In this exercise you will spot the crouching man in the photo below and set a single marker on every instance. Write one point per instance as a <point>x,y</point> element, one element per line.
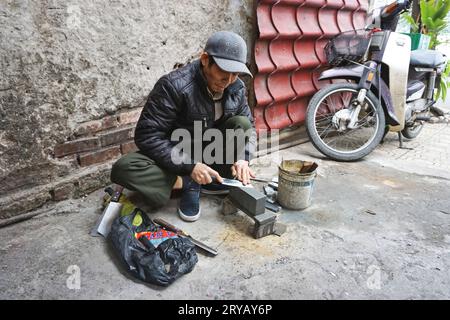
<point>202,96</point>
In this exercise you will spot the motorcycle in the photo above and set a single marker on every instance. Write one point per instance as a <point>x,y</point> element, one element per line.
<point>383,86</point>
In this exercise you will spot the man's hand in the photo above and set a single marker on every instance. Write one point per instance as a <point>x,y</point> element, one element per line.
<point>242,171</point>
<point>202,174</point>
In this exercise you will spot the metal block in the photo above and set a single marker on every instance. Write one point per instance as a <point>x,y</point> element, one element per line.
<point>279,229</point>
<point>228,207</point>
<point>271,195</point>
<point>274,185</point>
<point>263,230</point>
<point>268,191</point>
<point>266,217</point>
<point>272,206</point>
<point>249,200</point>
<point>264,224</point>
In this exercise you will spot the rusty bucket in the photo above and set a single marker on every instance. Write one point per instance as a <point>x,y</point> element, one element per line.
<point>296,183</point>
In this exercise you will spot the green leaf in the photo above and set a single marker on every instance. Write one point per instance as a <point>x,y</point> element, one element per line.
<point>423,9</point>
<point>430,9</point>
<point>430,24</point>
<point>438,22</point>
<point>411,22</point>
<point>441,91</point>
<point>442,10</point>
<point>444,83</point>
<point>446,72</point>
<point>444,91</point>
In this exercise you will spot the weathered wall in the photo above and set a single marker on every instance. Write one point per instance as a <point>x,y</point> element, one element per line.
<point>80,71</point>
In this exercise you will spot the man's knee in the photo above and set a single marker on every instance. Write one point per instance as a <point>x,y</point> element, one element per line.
<point>121,168</point>
<point>117,171</point>
<point>120,165</point>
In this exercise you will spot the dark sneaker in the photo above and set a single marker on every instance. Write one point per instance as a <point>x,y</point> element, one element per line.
<point>189,208</point>
<point>215,189</point>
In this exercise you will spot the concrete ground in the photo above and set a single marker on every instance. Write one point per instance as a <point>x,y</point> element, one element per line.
<point>377,229</point>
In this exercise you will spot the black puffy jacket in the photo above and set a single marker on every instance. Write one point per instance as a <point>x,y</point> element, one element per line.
<point>177,100</point>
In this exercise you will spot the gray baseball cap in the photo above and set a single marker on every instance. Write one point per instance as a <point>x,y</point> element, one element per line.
<point>229,51</point>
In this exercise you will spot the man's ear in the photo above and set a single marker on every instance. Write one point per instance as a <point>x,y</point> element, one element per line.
<point>204,58</point>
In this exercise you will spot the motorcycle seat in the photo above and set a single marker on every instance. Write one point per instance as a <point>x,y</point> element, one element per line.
<point>426,58</point>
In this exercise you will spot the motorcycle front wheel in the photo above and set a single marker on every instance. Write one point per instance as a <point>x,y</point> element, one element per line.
<point>327,129</point>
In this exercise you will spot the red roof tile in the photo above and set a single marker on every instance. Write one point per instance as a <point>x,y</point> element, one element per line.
<point>289,53</point>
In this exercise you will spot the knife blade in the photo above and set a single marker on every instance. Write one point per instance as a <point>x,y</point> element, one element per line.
<point>180,232</point>
<point>110,213</point>
<point>234,182</point>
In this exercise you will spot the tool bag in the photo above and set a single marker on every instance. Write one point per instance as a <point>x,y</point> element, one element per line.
<point>151,253</point>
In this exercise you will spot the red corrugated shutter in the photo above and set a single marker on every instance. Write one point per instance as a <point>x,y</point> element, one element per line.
<point>289,53</point>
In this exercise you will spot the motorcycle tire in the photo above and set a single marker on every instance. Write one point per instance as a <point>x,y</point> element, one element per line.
<point>374,111</point>
<point>412,132</point>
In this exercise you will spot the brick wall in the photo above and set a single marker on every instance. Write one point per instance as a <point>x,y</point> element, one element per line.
<point>67,62</point>
<point>91,150</point>
<point>101,140</point>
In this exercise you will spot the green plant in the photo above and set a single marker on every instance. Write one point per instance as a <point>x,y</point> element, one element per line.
<point>432,21</point>
<point>434,18</point>
<point>413,24</point>
<point>445,82</point>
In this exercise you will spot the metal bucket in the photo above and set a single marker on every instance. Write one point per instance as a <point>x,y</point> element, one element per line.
<point>295,188</point>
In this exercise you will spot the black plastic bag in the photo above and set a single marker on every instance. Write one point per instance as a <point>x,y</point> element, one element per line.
<point>151,253</point>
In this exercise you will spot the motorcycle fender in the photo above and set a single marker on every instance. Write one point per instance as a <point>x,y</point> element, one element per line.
<point>354,72</point>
